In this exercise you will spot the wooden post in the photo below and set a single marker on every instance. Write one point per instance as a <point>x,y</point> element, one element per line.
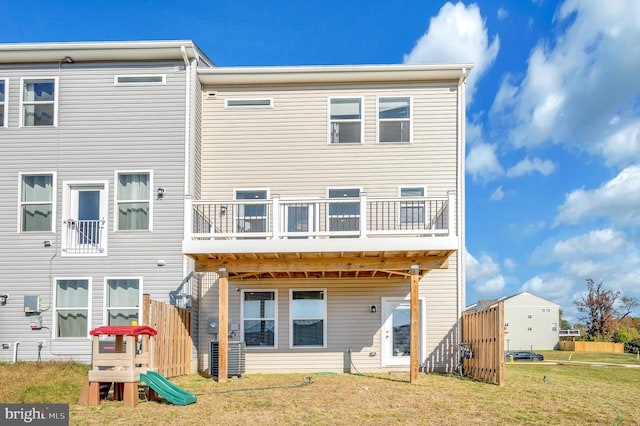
<point>223,324</point>
<point>414,347</point>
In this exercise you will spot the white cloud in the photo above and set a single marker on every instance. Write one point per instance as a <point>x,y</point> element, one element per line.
<point>484,275</point>
<point>498,194</point>
<point>502,13</point>
<point>618,200</point>
<point>577,83</point>
<point>553,288</point>
<point>482,162</point>
<point>526,166</point>
<point>457,35</point>
<point>596,243</point>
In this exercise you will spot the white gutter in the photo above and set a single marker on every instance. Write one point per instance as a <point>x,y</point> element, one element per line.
<point>15,351</point>
<point>460,198</point>
<point>188,131</point>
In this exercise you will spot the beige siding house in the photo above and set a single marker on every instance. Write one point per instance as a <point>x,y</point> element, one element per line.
<point>329,228</point>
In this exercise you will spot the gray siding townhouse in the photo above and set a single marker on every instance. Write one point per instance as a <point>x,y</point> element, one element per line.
<point>97,154</point>
<point>324,191</point>
<point>530,322</point>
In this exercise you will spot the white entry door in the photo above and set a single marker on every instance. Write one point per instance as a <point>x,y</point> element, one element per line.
<point>396,331</point>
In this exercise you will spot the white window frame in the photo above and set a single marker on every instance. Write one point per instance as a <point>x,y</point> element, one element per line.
<point>236,213</point>
<point>23,80</point>
<point>105,308</point>
<point>248,104</point>
<point>67,191</point>
<point>329,216</point>
<point>379,120</point>
<point>56,309</point>
<point>116,202</point>
<point>325,325</point>
<point>53,199</point>
<point>330,121</point>
<point>274,319</point>
<point>5,103</point>
<point>117,80</point>
<point>404,206</point>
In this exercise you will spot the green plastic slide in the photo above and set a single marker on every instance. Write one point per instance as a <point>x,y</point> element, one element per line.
<point>166,389</point>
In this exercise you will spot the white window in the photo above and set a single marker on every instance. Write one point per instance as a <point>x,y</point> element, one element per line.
<point>39,102</point>
<point>71,314</point>
<point>139,79</point>
<point>249,103</point>
<point>554,326</point>
<point>123,300</point>
<point>394,119</point>
<point>3,102</point>
<point>308,318</point>
<point>529,316</point>
<point>344,216</point>
<point>251,216</point>
<point>345,120</point>
<point>412,211</point>
<point>37,202</point>
<point>259,318</point>
<point>133,201</point>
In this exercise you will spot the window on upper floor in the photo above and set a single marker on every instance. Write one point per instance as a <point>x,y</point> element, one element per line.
<point>412,211</point>
<point>249,103</point>
<point>259,318</point>
<point>123,300</point>
<point>394,119</point>
<point>344,216</point>
<point>36,202</point>
<point>251,216</point>
<point>308,318</point>
<point>3,102</point>
<point>139,79</point>
<point>133,200</point>
<point>345,120</point>
<point>39,102</point>
<point>71,314</point>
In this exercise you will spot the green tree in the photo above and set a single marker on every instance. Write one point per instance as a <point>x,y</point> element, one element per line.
<point>597,309</point>
<point>564,324</point>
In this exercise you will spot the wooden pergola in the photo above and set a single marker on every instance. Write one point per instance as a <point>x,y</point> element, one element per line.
<point>272,265</point>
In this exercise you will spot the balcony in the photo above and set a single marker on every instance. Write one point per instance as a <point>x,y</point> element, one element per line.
<point>83,237</point>
<point>326,236</point>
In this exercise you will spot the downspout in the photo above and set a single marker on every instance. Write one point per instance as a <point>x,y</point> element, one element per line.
<point>460,201</point>
<point>187,147</point>
<point>15,351</point>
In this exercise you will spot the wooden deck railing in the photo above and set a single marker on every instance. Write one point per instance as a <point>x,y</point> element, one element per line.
<point>483,332</point>
<point>173,341</point>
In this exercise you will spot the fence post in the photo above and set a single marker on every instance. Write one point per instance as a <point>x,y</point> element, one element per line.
<point>363,215</point>
<point>188,218</point>
<point>275,217</point>
<point>452,214</point>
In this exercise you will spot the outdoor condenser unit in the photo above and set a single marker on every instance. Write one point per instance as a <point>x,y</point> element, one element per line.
<point>235,358</point>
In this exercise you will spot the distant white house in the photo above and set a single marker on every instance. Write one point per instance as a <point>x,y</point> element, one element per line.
<point>530,322</point>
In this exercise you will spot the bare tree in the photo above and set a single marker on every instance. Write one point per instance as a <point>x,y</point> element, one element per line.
<point>627,305</point>
<point>597,307</point>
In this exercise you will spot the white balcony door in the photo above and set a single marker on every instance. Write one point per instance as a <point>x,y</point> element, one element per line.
<point>396,331</point>
<point>84,216</point>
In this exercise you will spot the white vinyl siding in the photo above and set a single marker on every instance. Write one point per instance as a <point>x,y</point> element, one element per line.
<point>260,318</point>
<point>345,120</point>
<point>39,102</point>
<point>133,201</point>
<point>308,318</point>
<point>394,119</point>
<point>37,204</point>
<point>72,310</point>
<point>3,102</point>
<point>123,298</point>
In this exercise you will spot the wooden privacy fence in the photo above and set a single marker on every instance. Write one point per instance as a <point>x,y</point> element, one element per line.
<point>592,346</point>
<point>173,341</point>
<point>483,332</point>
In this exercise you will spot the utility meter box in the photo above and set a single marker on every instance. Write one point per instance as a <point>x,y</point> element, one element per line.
<point>31,305</point>
<point>212,325</point>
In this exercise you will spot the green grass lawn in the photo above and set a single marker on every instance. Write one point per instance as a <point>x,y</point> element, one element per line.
<point>613,358</point>
<point>534,394</point>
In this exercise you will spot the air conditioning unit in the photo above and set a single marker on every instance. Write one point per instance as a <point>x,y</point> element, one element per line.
<point>235,358</point>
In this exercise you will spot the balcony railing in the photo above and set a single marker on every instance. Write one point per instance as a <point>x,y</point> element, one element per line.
<point>83,236</point>
<point>355,217</point>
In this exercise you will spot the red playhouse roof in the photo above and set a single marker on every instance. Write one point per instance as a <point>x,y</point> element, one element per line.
<point>123,330</point>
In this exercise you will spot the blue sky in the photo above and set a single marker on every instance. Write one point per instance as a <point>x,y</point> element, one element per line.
<point>553,111</point>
